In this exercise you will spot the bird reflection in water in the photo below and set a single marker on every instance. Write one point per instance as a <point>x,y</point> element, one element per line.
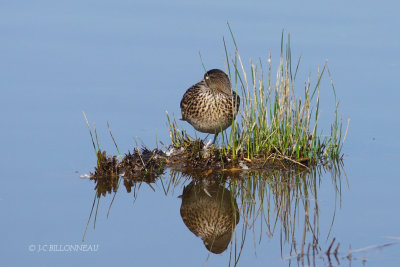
<point>210,212</point>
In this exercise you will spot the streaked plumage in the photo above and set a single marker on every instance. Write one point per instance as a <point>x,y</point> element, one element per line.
<point>211,213</point>
<point>210,105</point>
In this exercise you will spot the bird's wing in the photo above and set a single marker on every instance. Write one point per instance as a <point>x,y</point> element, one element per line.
<point>189,96</point>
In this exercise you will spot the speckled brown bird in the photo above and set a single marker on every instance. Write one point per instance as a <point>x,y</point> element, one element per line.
<point>210,105</point>
<point>211,213</point>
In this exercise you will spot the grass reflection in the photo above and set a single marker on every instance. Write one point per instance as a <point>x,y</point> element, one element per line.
<point>261,204</point>
<point>274,202</point>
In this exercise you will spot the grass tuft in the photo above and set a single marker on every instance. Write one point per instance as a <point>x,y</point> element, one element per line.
<point>273,121</point>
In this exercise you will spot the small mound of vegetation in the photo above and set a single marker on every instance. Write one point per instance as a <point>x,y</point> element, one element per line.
<point>274,123</point>
<point>275,129</point>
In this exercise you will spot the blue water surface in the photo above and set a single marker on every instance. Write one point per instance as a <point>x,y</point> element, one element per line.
<point>126,63</point>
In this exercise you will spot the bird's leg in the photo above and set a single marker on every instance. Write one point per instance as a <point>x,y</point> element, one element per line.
<point>215,138</point>
<point>204,140</point>
<point>211,143</point>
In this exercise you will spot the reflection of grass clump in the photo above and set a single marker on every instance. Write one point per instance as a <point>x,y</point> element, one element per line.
<point>274,202</point>
<point>273,122</point>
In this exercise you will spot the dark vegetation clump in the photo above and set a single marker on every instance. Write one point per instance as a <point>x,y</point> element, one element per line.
<point>196,161</point>
<point>142,166</point>
<point>106,174</point>
<point>194,155</point>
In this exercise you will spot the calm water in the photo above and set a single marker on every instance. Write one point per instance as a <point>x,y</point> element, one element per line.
<point>126,63</point>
